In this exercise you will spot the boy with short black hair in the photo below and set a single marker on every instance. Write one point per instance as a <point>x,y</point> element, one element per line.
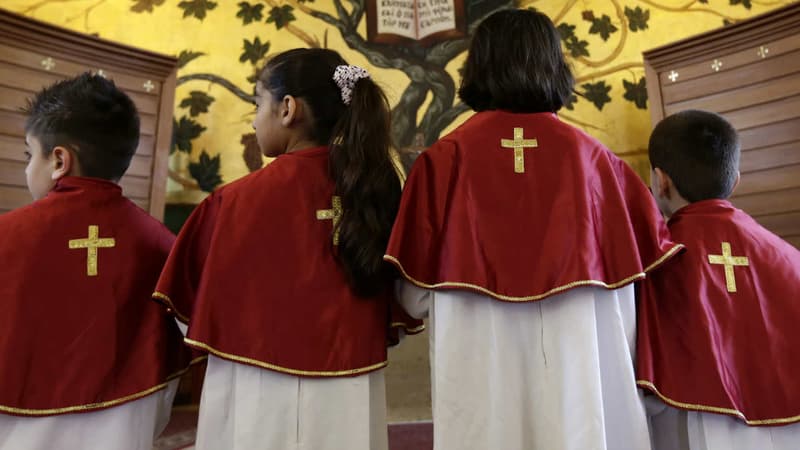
<point>87,360</point>
<point>717,339</point>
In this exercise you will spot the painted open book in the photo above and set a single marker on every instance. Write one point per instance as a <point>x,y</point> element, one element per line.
<point>415,21</point>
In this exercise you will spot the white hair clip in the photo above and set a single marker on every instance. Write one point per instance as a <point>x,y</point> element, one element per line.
<point>346,78</point>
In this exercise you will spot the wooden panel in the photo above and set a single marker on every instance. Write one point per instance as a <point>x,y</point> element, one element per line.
<point>772,134</point>
<point>158,192</point>
<point>716,82</point>
<point>12,148</point>
<point>13,99</point>
<point>17,84</point>
<point>766,113</point>
<point>768,202</point>
<point>145,103</point>
<point>13,173</point>
<point>742,97</point>
<point>26,79</point>
<point>770,180</point>
<point>65,67</point>
<point>786,224</point>
<point>12,124</point>
<point>732,59</point>
<point>794,240</point>
<point>141,166</point>
<point>148,124</point>
<point>771,156</point>
<point>146,145</point>
<point>12,197</point>
<point>135,187</point>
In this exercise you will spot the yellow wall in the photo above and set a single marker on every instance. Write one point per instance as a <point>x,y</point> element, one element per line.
<point>172,26</point>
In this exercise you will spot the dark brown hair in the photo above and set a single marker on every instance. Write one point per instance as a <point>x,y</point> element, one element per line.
<point>699,150</point>
<point>90,116</point>
<point>515,63</point>
<point>358,135</point>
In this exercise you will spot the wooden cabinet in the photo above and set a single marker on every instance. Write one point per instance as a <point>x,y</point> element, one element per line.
<point>34,55</point>
<point>750,73</point>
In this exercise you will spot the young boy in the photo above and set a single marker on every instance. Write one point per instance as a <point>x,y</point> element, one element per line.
<point>522,236</point>
<point>718,335</point>
<point>87,361</point>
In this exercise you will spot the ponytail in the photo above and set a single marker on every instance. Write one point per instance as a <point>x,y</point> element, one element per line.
<point>351,114</point>
<point>366,181</point>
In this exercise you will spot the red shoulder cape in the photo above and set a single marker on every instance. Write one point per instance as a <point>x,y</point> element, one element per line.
<point>704,348</point>
<point>575,216</point>
<point>254,274</point>
<point>72,342</point>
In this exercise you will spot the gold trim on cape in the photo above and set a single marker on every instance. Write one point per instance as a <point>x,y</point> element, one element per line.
<point>394,156</point>
<point>171,306</point>
<point>405,327</point>
<point>100,405</point>
<point>715,409</point>
<point>276,368</point>
<point>507,298</point>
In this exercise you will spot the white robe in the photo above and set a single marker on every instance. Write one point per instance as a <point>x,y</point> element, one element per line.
<point>556,374</point>
<point>675,429</point>
<point>248,408</point>
<point>129,426</point>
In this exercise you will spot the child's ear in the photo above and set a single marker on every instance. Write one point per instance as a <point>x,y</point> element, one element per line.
<point>663,184</point>
<point>289,110</point>
<point>63,161</point>
<point>738,179</point>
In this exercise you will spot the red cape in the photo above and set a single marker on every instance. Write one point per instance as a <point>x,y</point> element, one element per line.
<point>72,342</point>
<point>703,348</point>
<point>254,274</point>
<point>576,216</point>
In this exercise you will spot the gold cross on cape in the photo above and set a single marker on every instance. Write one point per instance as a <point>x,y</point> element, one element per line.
<point>519,144</point>
<point>726,259</point>
<point>334,214</point>
<point>91,244</point>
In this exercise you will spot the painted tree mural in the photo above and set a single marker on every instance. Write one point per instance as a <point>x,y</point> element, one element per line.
<point>594,34</point>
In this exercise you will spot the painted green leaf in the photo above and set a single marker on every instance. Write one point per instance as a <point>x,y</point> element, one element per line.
<point>566,31</point>
<point>183,132</point>
<point>140,6</point>
<point>281,16</point>
<point>597,93</point>
<point>196,8</point>
<point>252,153</point>
<point>571,100</point>
<point>206,171</point>
<point>197,102</point>
<point>253,51</point>
<point>186,56</point>
<point>636,92</point>
<point>250,13</point>
<point>577,48</point>
<point>746,3</point>
<point>637,18</point>
<point>603,27</point>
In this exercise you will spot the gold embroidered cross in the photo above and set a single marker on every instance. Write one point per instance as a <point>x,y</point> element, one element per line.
<point>729,262</point>
<point>91,244</point>
<point>334,214</point>
<point>519,144</point>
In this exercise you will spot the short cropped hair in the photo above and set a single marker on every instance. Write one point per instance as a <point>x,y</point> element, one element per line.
<point>515,63</point>
<point>700,151</point>
<point>89,115</point>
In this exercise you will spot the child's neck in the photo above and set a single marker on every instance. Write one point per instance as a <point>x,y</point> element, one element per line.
<point>300,144</point>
